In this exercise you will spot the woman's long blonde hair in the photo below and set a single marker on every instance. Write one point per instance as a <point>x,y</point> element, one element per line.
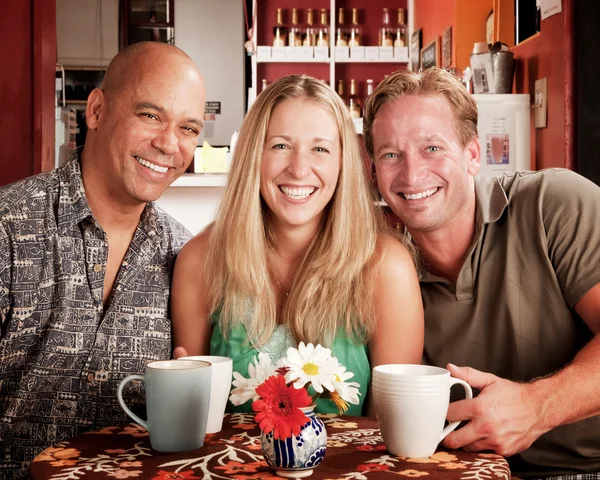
<point>333,285</point>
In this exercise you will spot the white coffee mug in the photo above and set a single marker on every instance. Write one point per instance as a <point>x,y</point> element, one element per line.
<point>222,376</point>
<point>411,404</point>
<point>177,401</point>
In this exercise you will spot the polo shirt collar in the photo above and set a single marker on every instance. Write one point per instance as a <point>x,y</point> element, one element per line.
<point>491,201</point>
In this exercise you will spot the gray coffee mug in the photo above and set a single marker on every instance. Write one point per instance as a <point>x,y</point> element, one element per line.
<point>177,402</point>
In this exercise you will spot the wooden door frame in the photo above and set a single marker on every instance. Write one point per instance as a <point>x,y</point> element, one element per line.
<point>44,74</point>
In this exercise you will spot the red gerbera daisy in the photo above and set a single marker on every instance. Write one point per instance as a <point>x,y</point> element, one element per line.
<point>279,407</point>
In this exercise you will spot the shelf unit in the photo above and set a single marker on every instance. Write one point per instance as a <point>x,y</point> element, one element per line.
<point>319,68</point>
<point>201,180</point>
<point>84,78</point>
<point>146,21</point>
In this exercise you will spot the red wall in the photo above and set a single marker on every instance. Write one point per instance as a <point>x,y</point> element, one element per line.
<point>16,87</point>
<point>549,54</point>
<point>28,43</point>
<point>433,17</point>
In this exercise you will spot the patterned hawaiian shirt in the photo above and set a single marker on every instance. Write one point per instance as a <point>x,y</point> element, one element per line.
<point>62,354</point>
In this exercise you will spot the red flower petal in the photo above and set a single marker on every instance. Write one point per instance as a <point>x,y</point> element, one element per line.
<point>279,407</point>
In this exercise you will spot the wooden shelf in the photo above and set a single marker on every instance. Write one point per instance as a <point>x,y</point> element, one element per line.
<point>312,60</point>
<point>86,69</point>
<point>367,60</point>
<point>315,60</point>
<point>76,102</point>
<point>201,180</point>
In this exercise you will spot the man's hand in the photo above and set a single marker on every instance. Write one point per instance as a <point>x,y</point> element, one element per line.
<point>179,352</point>
<point>504,417</point>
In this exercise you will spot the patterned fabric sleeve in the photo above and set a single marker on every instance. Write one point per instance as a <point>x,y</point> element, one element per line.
<point>5,254</point>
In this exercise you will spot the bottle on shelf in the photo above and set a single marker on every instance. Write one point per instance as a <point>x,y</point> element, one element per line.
<point>355,37</point>
<point>369,87</point>
<point>323,32</point>
<point>279,31</point>
<point>353,101</point>
<point>400,31</point>
<point>308,39</point>
<point>386,35</point>
<point>295,35</point>
<point>264,85</point>
<point>341,35</point>
<point>340,89</point>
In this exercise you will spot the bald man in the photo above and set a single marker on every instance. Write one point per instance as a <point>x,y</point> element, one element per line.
<point>86,258</point>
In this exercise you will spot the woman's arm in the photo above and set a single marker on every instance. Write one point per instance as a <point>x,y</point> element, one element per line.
<point>398,337</point>
<point>189,300</point>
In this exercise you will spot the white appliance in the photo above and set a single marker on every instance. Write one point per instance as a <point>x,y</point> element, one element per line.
<point>504,133</point>
<point>65,120</point>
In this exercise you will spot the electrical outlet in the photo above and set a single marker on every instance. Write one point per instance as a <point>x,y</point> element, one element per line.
<point>540,107</point>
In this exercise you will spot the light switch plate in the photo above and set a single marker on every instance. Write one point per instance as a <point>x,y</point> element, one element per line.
<point>540,107</point>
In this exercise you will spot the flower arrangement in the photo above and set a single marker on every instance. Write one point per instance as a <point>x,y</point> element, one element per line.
<point>279,392</point>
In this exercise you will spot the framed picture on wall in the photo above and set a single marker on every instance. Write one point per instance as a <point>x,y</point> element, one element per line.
<point>430,54</point>
<point>415,50</point>
<point>447,48</point>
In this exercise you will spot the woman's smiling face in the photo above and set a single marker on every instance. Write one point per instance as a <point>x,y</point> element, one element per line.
<point>300,163</point>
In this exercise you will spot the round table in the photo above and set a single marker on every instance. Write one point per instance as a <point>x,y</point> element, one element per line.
<point>355,450</point>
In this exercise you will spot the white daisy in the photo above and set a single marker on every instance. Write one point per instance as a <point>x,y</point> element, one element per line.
<point>347,390</point>
<point>258,372</point>
<point>310,364</point>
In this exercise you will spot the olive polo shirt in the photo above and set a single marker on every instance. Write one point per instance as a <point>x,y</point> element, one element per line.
<point>536,252</point>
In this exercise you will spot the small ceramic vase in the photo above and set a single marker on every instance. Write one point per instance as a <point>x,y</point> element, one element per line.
<point>296,457</point>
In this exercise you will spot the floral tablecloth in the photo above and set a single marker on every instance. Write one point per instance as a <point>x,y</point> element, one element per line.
<point>355,450</point>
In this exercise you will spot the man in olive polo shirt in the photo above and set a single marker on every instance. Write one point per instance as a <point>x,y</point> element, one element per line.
<point>511,286</point>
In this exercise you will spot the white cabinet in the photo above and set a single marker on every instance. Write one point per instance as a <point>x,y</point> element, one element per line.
<point>212,34</point>
<point>87,32</point>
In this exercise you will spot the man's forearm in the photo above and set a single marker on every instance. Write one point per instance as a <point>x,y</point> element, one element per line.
<point>572,393</point>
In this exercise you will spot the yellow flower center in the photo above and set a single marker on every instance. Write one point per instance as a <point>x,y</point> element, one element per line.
<point>310,369</point>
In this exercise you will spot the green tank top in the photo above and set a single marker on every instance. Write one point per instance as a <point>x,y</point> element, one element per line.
<point>237,347</point>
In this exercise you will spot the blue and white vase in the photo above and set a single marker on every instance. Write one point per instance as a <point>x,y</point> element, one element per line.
<point>296,457</point>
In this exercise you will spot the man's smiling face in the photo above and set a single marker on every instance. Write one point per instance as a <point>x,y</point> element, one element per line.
<point>424,173</point>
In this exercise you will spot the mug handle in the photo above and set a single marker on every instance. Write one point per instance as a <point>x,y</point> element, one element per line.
<point>468,395</point>
<point>125,381</point>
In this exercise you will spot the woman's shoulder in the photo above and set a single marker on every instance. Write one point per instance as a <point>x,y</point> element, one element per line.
<point>193,253</point>
<point>392,248</point>
<point>395,259</point>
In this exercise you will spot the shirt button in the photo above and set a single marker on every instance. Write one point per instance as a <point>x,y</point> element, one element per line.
<point>90,377</point>
<point>97,268</point>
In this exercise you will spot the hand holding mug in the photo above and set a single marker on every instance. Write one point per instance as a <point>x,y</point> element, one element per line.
<point>505,416</point>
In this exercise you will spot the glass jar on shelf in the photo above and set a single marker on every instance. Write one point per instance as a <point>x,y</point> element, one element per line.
<point>279,31</point>
<point>309,37</point>
<point>354,104</point>
<point>386,35</point>
<point>323,31</point>
<point>355,37</point>
<point>295,35</point>
<point>341,34</point>
<point>400,31</point>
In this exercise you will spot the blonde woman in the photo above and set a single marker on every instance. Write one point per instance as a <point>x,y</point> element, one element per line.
<point>298,250</point>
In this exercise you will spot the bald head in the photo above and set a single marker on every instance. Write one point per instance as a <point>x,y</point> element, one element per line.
<point>137,60</point>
